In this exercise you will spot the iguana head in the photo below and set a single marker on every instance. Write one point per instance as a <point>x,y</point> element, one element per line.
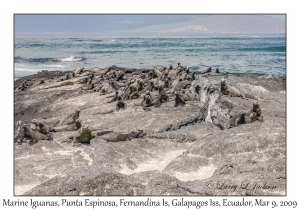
<point>26,128</point>
<point>255,106</point>
<point>160,88</point>
<point>85,129</point>
<point>223,84</point>
<point>135,134</point>
<point>242,112</point>
<point>187,70</point>
<point>78,123</point>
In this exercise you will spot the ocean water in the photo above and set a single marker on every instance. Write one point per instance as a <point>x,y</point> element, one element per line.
<point>232,53</point>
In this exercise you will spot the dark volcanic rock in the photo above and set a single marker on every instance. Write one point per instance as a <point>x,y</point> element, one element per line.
<point>183,150</point>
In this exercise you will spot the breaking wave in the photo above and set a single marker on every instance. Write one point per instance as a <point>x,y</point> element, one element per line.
<point>69,59</point>
<point>19,59</point>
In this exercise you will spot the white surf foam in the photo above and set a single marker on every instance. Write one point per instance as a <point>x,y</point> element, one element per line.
<point>68,59</point>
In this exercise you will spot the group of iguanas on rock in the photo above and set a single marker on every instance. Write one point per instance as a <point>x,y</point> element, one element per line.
<point>242,117</point>
<point>127,84</point>
<point>24,86</point>
<point>39,130</point>
<point>139,84</point>
<point>85,135</point>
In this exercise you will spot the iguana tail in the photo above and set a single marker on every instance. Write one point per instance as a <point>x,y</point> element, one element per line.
<point>101,133</point>
<point>107,112</point>
<point>253,97</point>
<point>55,123</point>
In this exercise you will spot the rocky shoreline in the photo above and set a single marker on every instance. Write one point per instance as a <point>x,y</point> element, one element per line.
<point>167,131</point>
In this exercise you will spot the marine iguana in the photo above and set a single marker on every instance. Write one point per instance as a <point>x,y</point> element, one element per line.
<point>254,114</point>
<point>134,95</point>
<point>115,97</point>
<point>147,101</point>
<point>150,87</point>
<point>71,118</point>
<point>120,104</point>
<point>236,120</point>
<point>89,87</point>
<point>71,127</point>
<point>34,135</point>
<point>206,71</point>
<point>116,137</point>
<point>167,82</point>
<point>78,70</point>
<point>156,72</point>
<point>104,71</point>
<point>115,84</point>
<point>44,127</point>
<point>179,84</point>
<point>228,89</point>
<point>180,98</point>
<point>84,135</point>
<point>162,96</point>
<point>98,87</point>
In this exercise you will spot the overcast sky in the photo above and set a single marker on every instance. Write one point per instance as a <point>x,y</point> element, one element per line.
<point>41,23</point>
